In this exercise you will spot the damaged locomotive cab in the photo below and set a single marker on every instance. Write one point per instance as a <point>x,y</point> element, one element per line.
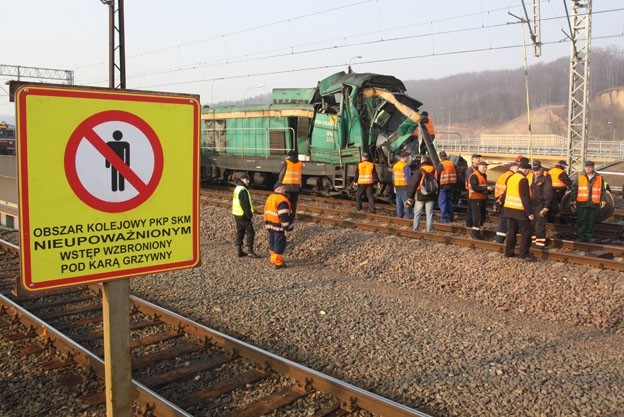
<point>329,127</point>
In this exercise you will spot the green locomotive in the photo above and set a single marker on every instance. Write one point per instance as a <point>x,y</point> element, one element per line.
<point>329,127</point>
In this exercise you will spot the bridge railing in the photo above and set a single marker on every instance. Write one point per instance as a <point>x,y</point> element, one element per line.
<point>546,145</point>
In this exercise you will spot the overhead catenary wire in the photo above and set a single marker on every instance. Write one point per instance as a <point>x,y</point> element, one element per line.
<point>290,52</point>
<point>404,58</point>
<point>377,31</point>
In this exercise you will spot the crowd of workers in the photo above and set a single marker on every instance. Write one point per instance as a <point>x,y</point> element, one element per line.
<point>526,197</point>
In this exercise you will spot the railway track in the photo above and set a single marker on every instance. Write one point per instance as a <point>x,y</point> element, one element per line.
<point>607,232</point>
<point>180,367</point>
<point>561,250</point>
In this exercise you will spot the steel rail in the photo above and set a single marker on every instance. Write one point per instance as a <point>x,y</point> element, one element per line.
<point>475,244</point>
<point>346,217</point>
<point>448,228</point>
<point>350,396</point>
<point>604,229</point>
<point>142,395</point>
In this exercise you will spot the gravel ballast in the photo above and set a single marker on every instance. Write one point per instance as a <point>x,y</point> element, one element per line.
<point>449,330</point>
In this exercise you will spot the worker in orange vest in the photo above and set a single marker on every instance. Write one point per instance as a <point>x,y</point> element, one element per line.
<point>426,123</point>
<point>401,175</point>
<point>290,176</point>
<point>588,190</point>
<point>447,178</point>
<point>474,165</point>
<point>365,180</point>
<point>478,190</point>
<point>278,221</point>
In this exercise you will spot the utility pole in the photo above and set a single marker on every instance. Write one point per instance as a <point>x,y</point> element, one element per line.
<point>536,32</point>
<point>117,49</point>
<point>116,294</point>
<point>580,35</point>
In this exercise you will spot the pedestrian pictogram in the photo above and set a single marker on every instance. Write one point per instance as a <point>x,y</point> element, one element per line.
<point>122,150</point>
<point>108,184</point>
<point>98,164</point>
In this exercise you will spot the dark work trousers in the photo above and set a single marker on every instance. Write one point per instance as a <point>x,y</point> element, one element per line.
<point>501,229</point>
<point>277,242</point>
<point>558,194</point>
<point>539,229</point>
<point>370,194</point>
<point>525,242</point>
<point>293,197</point>
<point>244,227</point>
<point>585,220</point>
<point>478,216</point>
<point>469,214</point>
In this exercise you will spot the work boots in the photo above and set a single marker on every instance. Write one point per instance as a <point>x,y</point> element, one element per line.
<point>251,253</point>
<point>240,252</point>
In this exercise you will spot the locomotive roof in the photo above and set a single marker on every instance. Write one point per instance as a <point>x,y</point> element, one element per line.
<point>257,107</point>
<point>334,83</point>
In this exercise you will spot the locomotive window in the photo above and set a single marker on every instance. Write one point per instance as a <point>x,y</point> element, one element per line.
<point>278,143</point>
<point>303,127</point>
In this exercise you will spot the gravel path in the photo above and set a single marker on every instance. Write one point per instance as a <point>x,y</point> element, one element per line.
<point>448,330</point>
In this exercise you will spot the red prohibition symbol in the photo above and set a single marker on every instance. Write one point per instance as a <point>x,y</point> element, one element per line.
<point>98,164</point>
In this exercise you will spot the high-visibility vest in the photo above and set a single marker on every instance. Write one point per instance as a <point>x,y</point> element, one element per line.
<point>474,195</point>
<point>583,189</point>
<point>449,173</point>
<point>501,184</point>
<point>365,172</point>
<point>554,176</point>
<point>512,197</point>
<point>237,210</point>
<point>398,170</point>
<point>272,212</point>
<point>429,126</point>
<point>472,169</point>
<point>293,173</point>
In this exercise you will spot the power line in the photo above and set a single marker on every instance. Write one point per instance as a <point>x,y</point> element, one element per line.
<point>404,58</point>
<point>246,58</point>
<point>391,29</point>
<point>238,32</point>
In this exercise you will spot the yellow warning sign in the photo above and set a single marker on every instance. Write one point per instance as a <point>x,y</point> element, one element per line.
<point>108,184</point>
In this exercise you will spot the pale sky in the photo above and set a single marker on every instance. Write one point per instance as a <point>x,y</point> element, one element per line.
<point>226,50</point>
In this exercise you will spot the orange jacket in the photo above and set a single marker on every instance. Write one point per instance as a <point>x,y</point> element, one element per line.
<point>449,173</point>
<point>398,170</point>
<point>293,173</point>
<point>475,195</point>
<point>365,173</point>
<point>277,213</point>
<point>429,126</point>
<point>554,176</point>
<point>584,190</point>
<point>501,184</point>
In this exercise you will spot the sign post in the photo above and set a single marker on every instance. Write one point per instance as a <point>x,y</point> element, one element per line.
<point>108,189</point>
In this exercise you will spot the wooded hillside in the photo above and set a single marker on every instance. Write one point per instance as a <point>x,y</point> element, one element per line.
<point>490,98</point>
